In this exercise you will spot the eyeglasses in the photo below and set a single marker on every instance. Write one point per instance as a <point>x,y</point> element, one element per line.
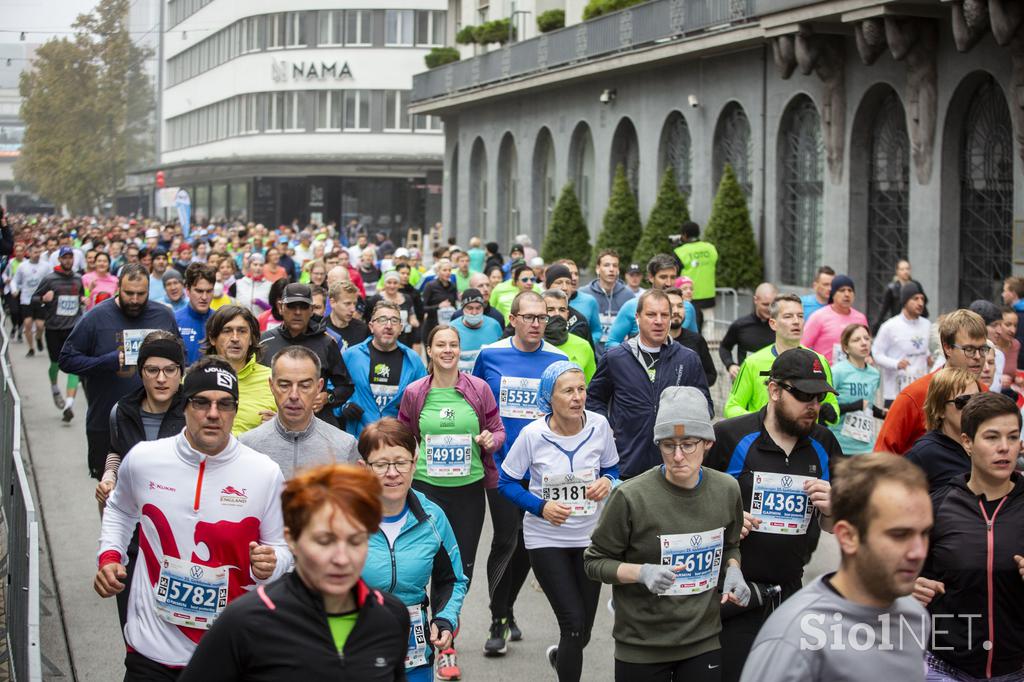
<point>973,351</point>
<point>668,447</point>
<point>152,371</point>
<point>387,320</point>
<point>960,402</point>
<point>223,405</point>
<point>803,396</point>
<point>402,466</point>
<point>534,319</point>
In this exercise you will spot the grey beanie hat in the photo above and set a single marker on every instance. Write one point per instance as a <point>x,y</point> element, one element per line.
<point>682,413</point>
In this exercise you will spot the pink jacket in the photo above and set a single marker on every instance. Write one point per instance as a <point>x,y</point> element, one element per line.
<point>478,394</point>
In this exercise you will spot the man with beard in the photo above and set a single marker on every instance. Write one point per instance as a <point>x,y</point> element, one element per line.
<point>782,459</point>
<point>882,520</point>
<point>102,349</point>
<point>691,339</point>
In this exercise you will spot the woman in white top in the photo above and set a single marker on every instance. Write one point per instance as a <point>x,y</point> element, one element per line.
<point>570,458</point>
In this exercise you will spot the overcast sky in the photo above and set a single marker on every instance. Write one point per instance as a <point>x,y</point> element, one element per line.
<point>40,19</point>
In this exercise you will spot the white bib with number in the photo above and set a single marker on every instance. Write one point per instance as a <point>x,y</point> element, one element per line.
<point>467,359</point>
<point>67,306</point>
<point>448,455</point>
<point>780,502</point>
<point>133,338</point>
<point>904,378</point>
<point>570,490</point>
<point>607,320</point>
<point>859,426</point>
<point>416,654</point>
<point>383,394</point>
<point>444,316</point>
<point>698,556</point>
<point>190,595</point>
<point>518,398</point>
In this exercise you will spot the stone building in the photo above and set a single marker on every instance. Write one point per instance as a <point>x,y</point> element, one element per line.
<point>862,131</point>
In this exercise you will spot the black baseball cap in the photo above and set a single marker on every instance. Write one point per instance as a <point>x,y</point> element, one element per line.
<point>802,369</point>
<point>472,296</point>
<point>634,267</point>
<point>297,293</point>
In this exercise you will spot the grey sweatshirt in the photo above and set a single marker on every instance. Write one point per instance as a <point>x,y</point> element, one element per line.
<point>809,638</point>
<point>293,451</point>
<point>636,516</point>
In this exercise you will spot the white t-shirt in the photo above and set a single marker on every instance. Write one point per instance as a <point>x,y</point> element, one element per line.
<point>539,451</point>
<point>898,338</point>
<point>392,526</point>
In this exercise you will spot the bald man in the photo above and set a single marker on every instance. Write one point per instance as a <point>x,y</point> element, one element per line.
<point>750,333</point>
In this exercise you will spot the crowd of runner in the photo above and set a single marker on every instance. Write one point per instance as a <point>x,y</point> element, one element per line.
<point>298,433</point>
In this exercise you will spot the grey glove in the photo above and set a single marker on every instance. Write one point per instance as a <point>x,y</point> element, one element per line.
<point>657,578</point>
<point>735,584</point>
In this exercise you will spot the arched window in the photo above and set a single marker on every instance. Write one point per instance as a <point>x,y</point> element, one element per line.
<point>675,151</point>
<point>478,187</point>
<point>732,146</point>
<point>888,197</point>
<point>626,152</point>
<point>581,160</point>
<point>508,190</point>
<point>986,194</point>
<point>545,193</point>
<point>802,169</point>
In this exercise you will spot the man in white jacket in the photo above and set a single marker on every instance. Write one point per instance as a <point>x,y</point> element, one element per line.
<point>209,514</point>
<point>901,347</point>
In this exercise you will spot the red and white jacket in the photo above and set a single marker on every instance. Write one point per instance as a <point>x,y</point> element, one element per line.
<point>203,509</point>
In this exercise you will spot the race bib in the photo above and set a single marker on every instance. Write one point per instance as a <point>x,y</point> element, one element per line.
<point>569,490</point>
<point>905,378</point>
<point>444,315</point>
<point>416,654</point>
<point>859,426</point>
<point>518,398</point>
<point>780,502</point>
<point>67,306</point>
<point>383,394</point>
<point>699,558</point>
<point>607,320</point>
<point>190,595</point>
<point>131,340</point>
<point>448,455</point>
<point>406,327</point>
<point>467,359</point>
<point>838,354</point>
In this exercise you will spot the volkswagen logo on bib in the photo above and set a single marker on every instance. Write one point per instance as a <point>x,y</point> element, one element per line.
<point>787,481</point>
<point>696,541</point>
<point>196,572</point>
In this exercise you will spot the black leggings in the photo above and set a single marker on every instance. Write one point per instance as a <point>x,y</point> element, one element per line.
<point>465,507</point>
<point>138,668</point>
<point>573,597</point>
<point>507,564</point>
<point>703,668</point>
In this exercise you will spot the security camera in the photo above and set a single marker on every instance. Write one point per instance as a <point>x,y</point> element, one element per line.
<point>607,96</point>
<point>692,99</point>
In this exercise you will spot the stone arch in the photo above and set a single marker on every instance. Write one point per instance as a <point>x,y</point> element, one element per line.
<point>625,151</point>
<point>508,189</point>
<point>545,189</point>
<point>801,175</point>
<point>478,189</point>
<point>675,151</point>
<point>733,144</point>
<point>581,166</point>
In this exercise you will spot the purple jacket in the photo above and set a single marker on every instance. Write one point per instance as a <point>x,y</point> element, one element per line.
<point>478,394</point>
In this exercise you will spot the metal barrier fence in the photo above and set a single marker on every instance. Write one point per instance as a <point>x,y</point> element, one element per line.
<point>21,608</point>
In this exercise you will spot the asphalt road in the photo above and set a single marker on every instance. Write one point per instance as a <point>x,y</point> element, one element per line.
<point>82,635</point>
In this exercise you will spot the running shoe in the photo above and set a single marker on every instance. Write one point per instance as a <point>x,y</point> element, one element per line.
<point>552,655</point>
<point>495,644</point>
<point>58,400</point>
<point>515,634</point>
<point>448,666</point>
<point>68,415</point>
<point>31,353</point>
<point>39,344</point>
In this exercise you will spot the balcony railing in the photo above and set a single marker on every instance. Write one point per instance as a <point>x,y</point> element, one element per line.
<point>627,29</point>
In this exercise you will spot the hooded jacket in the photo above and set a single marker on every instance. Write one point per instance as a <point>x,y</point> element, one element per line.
<point>357,358</point>
<point>66,306</point>
<point>608,305</point>
<point>126,429</point>
<point>942,458</point>
<point>337,381</point>
<point>254,396</point>
<point>622,391</point>
<point>971,553</point>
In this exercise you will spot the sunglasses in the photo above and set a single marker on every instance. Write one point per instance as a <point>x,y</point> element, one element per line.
<point>803,396</point>
<point>960,402</point>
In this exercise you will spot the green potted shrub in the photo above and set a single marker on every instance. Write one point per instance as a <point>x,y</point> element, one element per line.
<point>621,219</point>
<point>567,235</point>
<point>668,214</point>
<point>551,20</point>
<point>730,230</point>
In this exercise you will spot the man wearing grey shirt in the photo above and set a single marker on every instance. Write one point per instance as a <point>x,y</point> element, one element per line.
<point>858,623</point>
<point>296,439</point>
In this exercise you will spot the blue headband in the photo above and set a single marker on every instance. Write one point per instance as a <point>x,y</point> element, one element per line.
<point>547,382</point>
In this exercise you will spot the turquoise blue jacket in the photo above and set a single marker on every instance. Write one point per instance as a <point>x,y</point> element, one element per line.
<point>357,360</point>
<point>424,552</point>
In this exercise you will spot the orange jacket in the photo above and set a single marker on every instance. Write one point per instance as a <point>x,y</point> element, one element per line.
<point>905,422</point>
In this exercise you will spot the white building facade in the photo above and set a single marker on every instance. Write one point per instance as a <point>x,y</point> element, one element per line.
<point>296,112</point>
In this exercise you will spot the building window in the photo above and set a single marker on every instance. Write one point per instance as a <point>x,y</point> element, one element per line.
<point>508,194</point>
<point>293,119</point>
<point>358,23</point>
<point>581,155</point>
<point>252,34</point>
<point>295,33</point>
<point>331,25</point>
<point>675,150</point>
<point>430,27</point>
<point>478,187</point>
<point>275,122</point>
<point>800,222</point>
<point>427,123</point>
<point>399,23</point>
<point>357,110</point>
<point>328,110</point>
<point>276,31</point>
<point>626,153</point>
<point>396,110</point>
<point>732,145</point>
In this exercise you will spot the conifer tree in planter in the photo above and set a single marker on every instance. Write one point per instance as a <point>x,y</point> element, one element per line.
<point>567,235</point>
<point>730,230</point>
<point>621,220</point>
<point>668,214</point>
